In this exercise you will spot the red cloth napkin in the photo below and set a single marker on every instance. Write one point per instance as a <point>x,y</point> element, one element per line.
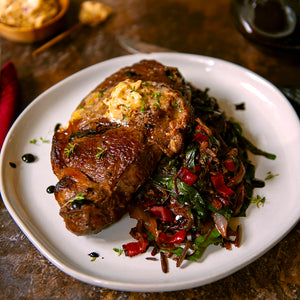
<point>9,93</point>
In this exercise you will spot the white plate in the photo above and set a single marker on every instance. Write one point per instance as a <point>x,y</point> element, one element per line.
<point>268,120</point>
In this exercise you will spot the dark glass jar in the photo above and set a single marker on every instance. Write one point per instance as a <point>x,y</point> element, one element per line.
<point>270,22</point>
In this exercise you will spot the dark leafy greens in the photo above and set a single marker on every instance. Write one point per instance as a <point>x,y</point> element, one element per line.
<point>189,202</point>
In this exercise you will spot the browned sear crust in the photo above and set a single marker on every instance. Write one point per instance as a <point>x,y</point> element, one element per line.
<point>113,143</point>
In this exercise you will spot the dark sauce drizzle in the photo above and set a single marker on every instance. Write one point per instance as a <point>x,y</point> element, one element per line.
<point>57,127</point>
<point>240,106</point>
<point>13,165</point>
<point>28,158</point>
<point>50,189</point>
<point>93,254</point>
<point>257,183</point>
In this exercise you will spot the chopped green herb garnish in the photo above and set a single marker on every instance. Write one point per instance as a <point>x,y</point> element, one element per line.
<point>133,90</point>
<point>100,153</point>
<point>93,255</point>
<point>70,150</point>
<point>174,104</point>
<point>151,71</point>
<point>260,201</point>
<point>157,96</point>
<point>270,175</point>
<point>172,77</point>
<point>143,105</point>
<point>33,141</point>
<point>80,107</point>
<point>119,251</point>
<point>101,93</point>
<point>125,106</point>
<point>78,197</point>
<point>156,105</point>
<point>43,140</point>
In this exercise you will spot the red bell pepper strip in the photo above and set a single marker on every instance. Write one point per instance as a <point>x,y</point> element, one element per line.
<point>135,248</point>
<point>9,93</point>
<point>202,127</point>
<point>219,185</point>
<point>217,204</point>
<point>187,176</point>
<point>200,137</point>
<point>229,164</point>
<point>178,237</point>
<point>198,128</point>
<point>163,212</point>
<point>197,169</point>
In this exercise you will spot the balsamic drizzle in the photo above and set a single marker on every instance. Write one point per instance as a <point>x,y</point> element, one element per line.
<point>12,164</point>
<point>50,189</point>
<point>28,158</point>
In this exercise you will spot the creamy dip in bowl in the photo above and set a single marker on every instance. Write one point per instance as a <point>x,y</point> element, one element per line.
<point>28,13</point>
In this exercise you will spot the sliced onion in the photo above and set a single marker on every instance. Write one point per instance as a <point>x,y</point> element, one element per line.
<point>149,222</point>
<point>221,223</point>
<point>237,179</point>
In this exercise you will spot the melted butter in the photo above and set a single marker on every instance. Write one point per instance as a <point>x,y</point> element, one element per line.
<point>127,99</point>
<point>92,103</point>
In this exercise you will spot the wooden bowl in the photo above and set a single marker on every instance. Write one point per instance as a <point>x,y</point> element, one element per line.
<point>30,35</point>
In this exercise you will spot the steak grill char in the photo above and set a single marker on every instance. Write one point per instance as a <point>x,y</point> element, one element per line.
<point>114,141</point>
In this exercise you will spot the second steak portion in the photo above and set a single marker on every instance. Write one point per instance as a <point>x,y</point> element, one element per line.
<point>114,140</point>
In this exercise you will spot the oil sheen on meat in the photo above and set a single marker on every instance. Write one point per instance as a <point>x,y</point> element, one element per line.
<point>114,141</point>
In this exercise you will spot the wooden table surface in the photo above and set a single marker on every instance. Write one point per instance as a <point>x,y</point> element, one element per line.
<point>191,26</point>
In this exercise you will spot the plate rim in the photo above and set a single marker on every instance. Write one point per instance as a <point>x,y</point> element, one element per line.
<point>125,286</point>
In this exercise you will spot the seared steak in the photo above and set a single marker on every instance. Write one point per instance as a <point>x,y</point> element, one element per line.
<point>114,140</point>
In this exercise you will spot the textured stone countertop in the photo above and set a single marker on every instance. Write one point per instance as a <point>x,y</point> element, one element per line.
<point>190,26</point>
